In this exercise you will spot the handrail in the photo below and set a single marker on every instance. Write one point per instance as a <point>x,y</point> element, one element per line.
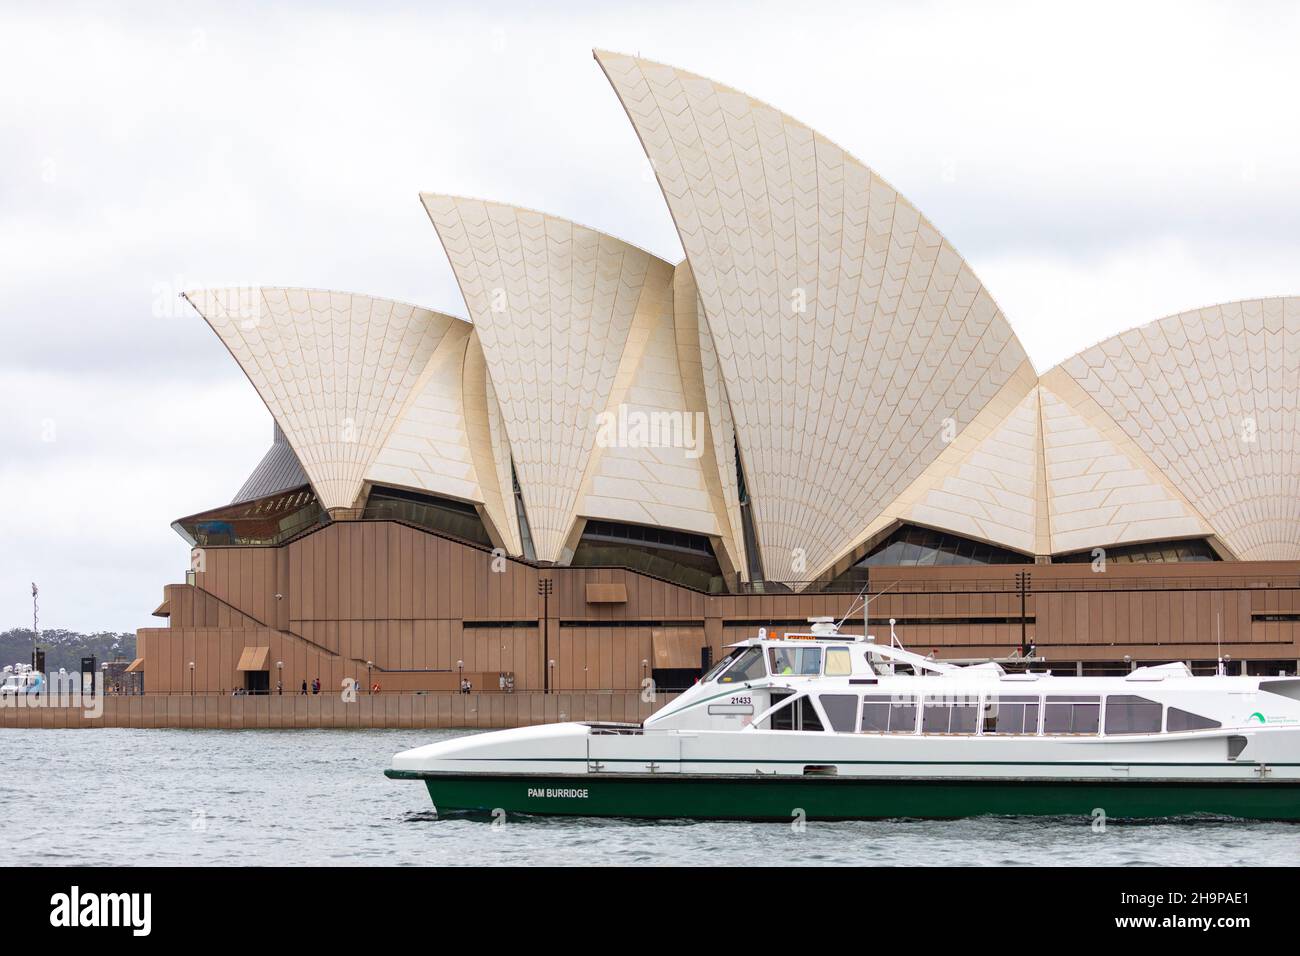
<point>292,633</point>
<point>270,627</point>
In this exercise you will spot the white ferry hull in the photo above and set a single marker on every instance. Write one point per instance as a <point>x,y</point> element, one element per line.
<point>577,769</point>
<point>823,726</point>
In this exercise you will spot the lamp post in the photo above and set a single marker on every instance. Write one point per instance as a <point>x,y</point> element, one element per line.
<point>370,685</point>
<point>36,628</point>
<point>1022,583</point>
<point>460,670</point>
<point>644,666</point>
<point>544,586</point>
<point>191,678</point>
<point>551,675</point>
<point>279,677</point>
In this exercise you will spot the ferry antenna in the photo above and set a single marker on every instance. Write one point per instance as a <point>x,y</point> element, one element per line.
<point>866,604</point>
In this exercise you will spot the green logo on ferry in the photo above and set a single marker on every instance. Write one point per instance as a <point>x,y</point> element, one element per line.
<point>1257,716</point>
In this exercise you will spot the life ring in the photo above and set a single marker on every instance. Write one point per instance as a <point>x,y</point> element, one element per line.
<point>374,688</point>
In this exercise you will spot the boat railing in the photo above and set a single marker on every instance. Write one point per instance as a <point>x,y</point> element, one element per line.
<point>616,730</point>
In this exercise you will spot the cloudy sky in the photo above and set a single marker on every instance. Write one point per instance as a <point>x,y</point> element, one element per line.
<point>1099,165</point>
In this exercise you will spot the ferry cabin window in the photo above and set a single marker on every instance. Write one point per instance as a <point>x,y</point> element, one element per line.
<point>808,719</point>
<point>1126,714</point>
<point>841,710</point>
<point>949,715</point>
<point>1179,719</point>
<point>783,718</point>
<point>1011,715</point>
<point>889,715</point>
<point>722,665</point>
<point>798,714</point>
<point>1071,715</point>
<point>796,661</point>
<point>838,662</point>
<point>748,667</point>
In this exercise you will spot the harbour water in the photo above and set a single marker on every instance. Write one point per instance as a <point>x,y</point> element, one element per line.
<point>301,797</point>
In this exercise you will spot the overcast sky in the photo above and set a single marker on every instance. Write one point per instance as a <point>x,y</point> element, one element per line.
<point>1098,165</point>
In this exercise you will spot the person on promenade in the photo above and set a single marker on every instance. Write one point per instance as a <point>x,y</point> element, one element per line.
<point>304,687</point>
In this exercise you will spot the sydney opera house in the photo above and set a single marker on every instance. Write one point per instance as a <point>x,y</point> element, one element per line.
<point>614,465</point>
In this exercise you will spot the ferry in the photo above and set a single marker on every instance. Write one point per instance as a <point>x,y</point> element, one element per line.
<point>829,726</point>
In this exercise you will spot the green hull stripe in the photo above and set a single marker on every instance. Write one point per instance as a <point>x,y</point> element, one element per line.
<point>880,763</point>
<point>850,798</point>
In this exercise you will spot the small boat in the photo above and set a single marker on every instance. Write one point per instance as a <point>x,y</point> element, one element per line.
<point>829,726</point>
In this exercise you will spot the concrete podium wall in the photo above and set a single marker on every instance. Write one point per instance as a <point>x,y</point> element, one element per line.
<point>215,711</point>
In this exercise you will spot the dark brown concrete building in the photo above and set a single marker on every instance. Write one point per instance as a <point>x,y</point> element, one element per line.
<point>388,603</point>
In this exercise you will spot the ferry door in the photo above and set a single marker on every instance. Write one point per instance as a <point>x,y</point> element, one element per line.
<point>652,751</point>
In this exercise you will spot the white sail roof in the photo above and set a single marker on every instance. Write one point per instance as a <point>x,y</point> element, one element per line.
<point>849,333</point>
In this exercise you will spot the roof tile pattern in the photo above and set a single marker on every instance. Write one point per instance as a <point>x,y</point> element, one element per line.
<point>821,329</point>
<point>335,369</point>
<point>429,446</point>
<point>1210,396</point>
<point>1102,489</point>
<point>552,303</point>
<point>850,335</point>
<point>704,389</point>
<point>489,448</point>
<point>648,464</point>
<point>991,494</point>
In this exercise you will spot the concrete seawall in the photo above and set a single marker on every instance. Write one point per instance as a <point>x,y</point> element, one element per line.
<point>434,710</point>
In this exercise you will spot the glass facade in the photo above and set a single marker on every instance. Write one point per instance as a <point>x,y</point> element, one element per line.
<point>454,518</point>
<point>521,515</point>
<point>912,545</point>
<point>264,521</point>
<point>1155,552</point>
<point>754,560</point>
<point>676,556</point>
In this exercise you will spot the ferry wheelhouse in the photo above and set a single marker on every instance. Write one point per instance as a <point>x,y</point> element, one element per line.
<point>835,726</point>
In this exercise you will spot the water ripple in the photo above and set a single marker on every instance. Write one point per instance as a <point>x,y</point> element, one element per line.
<point>173,797</point>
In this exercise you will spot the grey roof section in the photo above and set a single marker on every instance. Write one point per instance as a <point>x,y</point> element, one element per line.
<point>279,470</point>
